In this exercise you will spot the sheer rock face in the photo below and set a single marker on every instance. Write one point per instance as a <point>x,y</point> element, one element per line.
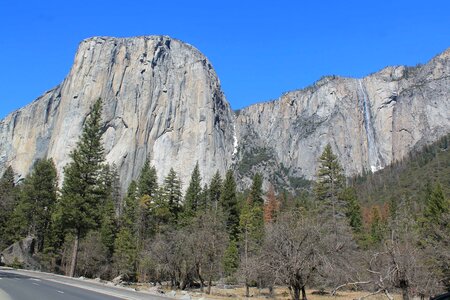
<point>162,99</point>
<point>369,122</point>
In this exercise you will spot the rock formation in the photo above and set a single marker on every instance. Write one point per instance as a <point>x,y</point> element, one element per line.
<point>369,122</point>
<point>162,99</point>
<point>21,253</point>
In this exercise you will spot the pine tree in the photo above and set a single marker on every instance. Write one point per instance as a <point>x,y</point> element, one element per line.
<point>79,204</point>
<point>148,180</point>
<point>204,199</point>
<point>376,226</point>
<point>436,205</point>
<point>215,190</point>
<point>193,193</point>
<point>229,204</point>
<point>329,185</point>
<point>128,218</point>
<point>230,259</point>
<point>125,254</point>
<point>108,226</point>
<point>32,216</point>
<point>8,201</point>
<point>171,193</point>
<point>353,209</point>
<point>256,192</point>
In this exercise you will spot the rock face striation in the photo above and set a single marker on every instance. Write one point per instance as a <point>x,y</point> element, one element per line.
<point>369,122</point>
<point>162,100</point>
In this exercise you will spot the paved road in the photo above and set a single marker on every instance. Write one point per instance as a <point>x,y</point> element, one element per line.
<point>23,285</point>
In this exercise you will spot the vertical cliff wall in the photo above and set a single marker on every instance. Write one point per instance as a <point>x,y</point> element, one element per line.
<point>369,122</point>
<point>162,99</point>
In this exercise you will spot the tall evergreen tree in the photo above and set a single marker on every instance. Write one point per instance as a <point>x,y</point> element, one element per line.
<point>79,204</point>
<point>171,194</point>
<point>130,208</point>
<point>215,190</point>
<point>256,191</point>
<point>436,204</point>
<point>37,201</point>
<point>193,192</point>
<point>353,209</point>
<point>329,184</point>
<point>148,180</point>
<point>229,204</point>
<point>8,201</point>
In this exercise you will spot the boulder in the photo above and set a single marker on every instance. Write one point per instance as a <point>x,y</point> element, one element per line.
<point>21,254</point>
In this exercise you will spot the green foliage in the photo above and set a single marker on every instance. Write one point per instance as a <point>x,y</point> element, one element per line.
<point>408,178</point>
<point>171,194</point>
<point>193,193</point>
<point>436,205</point>
<point>377,227</point>
<point>230,259</point>
<point>81,194</point>
<point>215,190</point>
<point>148,180</point>
<point>256,192</point>
<point>130,210</point>
<point>251,225</point>
<point>330,182</point>
<point>253,158</point>
<point>229,204</point>
<point>353,209</point>
<point>37,199</point>
<point>108,226</point>
<point>125,254</point>
<point>8,201</point>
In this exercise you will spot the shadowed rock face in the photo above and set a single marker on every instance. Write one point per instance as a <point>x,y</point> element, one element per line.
<point>162,99</point>
<point>369,122</point>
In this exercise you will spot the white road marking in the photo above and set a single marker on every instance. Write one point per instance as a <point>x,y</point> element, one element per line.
<point>35,283</point>
<point>34,279</point>
<point>4,295</point>
<point>60,292</point>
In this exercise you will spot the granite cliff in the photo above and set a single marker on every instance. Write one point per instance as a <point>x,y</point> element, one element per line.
<point>369,122</point>
<point>162,99</point>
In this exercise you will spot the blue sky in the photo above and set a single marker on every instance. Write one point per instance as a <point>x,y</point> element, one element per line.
<point>259,49</point>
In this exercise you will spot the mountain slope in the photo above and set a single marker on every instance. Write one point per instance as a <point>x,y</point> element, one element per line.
<point>369,122</point>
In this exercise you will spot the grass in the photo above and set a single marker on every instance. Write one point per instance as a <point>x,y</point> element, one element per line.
<point>281,293</point>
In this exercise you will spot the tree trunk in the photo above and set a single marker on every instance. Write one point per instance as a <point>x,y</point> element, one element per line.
<point>304,293</point>
<point>405,293</point>
<point>296,293</point>
<point>271,291</point>
<point>247,289</point>
<point>208,292</point>
<point>73,263</point>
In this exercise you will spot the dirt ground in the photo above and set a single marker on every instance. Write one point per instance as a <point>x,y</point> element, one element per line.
<point>282,294</point>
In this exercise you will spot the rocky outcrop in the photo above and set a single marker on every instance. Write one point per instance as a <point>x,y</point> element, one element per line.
<point>162,99</point>
<point>21,254</point>
<point>369,122</point>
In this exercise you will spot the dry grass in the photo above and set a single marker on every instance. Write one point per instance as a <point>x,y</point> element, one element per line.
<point>282,293</point>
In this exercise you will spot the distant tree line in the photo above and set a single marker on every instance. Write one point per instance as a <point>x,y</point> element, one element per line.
<point>324,239</point>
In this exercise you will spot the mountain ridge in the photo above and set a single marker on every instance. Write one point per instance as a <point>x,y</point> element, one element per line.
<point>180,115</point>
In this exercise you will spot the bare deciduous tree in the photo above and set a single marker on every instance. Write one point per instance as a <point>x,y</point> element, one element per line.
<point>299,249</point>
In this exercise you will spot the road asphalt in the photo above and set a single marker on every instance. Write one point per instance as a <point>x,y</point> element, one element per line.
<point>26,285</point>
